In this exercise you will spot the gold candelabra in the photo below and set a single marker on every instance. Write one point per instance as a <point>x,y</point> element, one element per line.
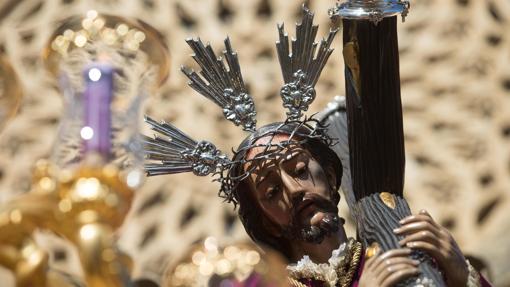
<point>86,198</point>
<point>85,207</point>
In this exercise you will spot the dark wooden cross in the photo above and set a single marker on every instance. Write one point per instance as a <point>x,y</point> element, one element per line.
<point>375,157</point>
<point>376,136</point>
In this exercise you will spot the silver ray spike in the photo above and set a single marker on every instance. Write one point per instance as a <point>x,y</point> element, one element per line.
<point>302,66</point>
<point>225,87</point>
<point>177,152</point>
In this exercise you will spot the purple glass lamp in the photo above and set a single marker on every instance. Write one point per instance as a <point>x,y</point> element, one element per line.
<point>105,65</point>
<point>97,97</point>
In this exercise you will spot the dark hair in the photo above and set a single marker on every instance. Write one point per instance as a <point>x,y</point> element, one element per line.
<point>251,215</point>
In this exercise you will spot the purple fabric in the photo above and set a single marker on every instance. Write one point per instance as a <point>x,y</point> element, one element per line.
<point>484,282</point>
<point>355,280</point>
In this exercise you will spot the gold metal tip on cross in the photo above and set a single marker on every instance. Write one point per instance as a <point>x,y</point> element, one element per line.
<point>388,199</point>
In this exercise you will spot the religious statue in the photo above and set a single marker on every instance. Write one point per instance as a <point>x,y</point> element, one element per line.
<point>284,177</point>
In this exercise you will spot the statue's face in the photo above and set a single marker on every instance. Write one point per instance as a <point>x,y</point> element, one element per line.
<point>294,192</point>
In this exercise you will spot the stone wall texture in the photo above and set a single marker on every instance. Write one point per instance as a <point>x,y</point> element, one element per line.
<point>455,69</point>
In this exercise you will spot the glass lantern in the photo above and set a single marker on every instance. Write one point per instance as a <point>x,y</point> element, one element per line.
<point>106,65</point>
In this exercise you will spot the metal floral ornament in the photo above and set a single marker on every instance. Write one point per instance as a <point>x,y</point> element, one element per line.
<point>205,158</point>
<point>225,87</point>
<point>240,109</point>
<point>301,66</point>
<point>179,153</point>
<point>297,96</point>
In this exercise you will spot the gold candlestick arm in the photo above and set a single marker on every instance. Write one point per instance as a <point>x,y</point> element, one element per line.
<point>84,208</point>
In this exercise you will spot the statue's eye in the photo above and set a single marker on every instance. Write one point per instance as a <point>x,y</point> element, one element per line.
<point>301,169</point>
<point>272,192</point>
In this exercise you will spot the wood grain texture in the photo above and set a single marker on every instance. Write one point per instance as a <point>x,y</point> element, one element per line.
<point>375,224</point>
<point>374,116</point>
<point>376,136</point>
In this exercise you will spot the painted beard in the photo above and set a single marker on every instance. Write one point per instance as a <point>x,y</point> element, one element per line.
<point>329,224</point>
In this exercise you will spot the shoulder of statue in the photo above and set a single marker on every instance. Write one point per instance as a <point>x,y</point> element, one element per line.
<point>337,105</point>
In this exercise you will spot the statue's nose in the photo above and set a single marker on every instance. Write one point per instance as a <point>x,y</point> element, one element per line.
<point>294,190</point>
<point>297,197</point>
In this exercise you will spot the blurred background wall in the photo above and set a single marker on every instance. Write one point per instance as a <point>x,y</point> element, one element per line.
<point>455,70</point>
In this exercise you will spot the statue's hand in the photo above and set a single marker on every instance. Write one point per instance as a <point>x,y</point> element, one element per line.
<point>388,269</point>
<point>421,232</point>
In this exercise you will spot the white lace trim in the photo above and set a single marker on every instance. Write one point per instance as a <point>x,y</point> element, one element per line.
<point>474,276</point>
<point>327,272</point>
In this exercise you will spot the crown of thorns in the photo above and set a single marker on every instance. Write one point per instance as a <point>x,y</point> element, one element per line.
<point>172,151</point>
